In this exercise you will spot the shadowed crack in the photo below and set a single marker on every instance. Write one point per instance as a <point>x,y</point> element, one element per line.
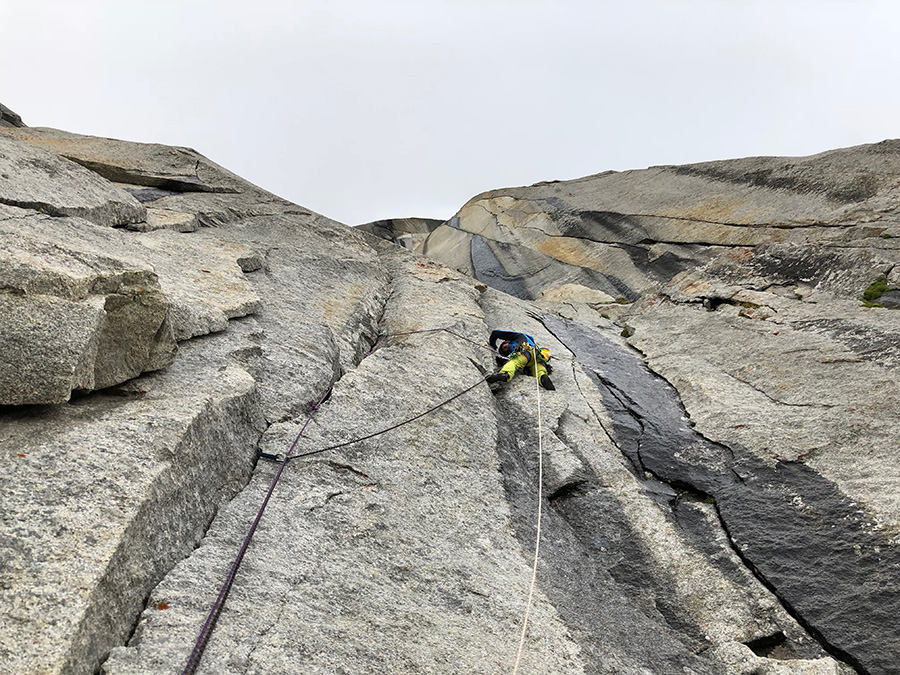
<point>813,547</point>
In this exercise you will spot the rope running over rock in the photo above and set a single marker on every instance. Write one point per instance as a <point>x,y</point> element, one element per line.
<point>213,616</point>
<point>537,542</point>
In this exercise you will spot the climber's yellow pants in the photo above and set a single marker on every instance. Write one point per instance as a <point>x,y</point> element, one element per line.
<point>520,361</point>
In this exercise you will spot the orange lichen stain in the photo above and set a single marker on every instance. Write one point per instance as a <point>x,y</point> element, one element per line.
<point>694,287</point>
<point>162,605</point>
<point>567,250</point>
<point>21,454</point>
<point>713,209</point>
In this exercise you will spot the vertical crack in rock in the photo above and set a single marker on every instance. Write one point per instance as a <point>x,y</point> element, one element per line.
<point>630,428</point>
<point>350,343</point>
<point>812,546</point>
<point>597,415</point>
<point>577,573</point>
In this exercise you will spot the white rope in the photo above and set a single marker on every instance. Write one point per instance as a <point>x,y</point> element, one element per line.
<point>537,543</point>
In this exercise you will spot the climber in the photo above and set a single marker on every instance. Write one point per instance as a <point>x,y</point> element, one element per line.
<point>518,350</point>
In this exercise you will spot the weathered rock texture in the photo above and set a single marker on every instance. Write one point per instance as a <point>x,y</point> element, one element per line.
<point>720,501</point>
<point>624,233</point>
<point>8,118</point>
<point>410,233</point>
<point>749,278</point>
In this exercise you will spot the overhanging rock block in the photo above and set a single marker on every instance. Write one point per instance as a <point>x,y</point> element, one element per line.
<point>34,178</point>
<point>74,316</point>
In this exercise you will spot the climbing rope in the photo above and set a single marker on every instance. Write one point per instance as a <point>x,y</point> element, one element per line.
<point>213,615</point>
<point>392,427</point>
<point>537,542</point>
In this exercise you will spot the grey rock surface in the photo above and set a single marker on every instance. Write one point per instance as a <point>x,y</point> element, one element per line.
<point>8,118</point>
<point>80,312</point>
<point>131,476</point>
<point>715,465</point>
<point>625,233</point>
<point>33,178</point>
<point>102,496</point>
<point>410,233</point>
<point>146,164</point>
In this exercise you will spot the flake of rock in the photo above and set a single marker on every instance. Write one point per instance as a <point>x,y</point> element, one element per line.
<point>163,219</point>
<point>146,164</point>
<point>80,313</point>
<point>37,179</point>
<point>8,118</point>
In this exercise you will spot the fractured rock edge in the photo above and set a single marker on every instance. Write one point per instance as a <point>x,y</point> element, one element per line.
<point>155,636</point>
<point>123,551</point>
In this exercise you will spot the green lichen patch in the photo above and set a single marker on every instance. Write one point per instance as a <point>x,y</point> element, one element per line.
<point>875,291</point>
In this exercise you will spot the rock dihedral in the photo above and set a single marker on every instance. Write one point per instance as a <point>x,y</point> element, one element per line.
<point>158,348</point>
<point>748,285</point>
<point>410,233</point>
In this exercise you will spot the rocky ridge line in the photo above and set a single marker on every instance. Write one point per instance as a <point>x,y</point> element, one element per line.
<point>410,551</point>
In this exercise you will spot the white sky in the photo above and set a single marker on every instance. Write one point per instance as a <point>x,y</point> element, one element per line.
<point>370,109</point>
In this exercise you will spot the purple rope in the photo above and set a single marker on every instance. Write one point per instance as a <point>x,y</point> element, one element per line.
<point>392,427</point>
<point>213,616</point>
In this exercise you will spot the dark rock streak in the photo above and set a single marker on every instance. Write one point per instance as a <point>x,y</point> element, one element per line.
<point>810,544</point>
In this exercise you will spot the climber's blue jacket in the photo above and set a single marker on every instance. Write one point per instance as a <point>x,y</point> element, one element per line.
<point>517,342</point>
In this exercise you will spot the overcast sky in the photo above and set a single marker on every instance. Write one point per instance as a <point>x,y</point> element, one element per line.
<point>370,109</point>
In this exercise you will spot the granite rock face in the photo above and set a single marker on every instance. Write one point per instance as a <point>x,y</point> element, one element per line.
<point>8,118</point>
<point>714,467</point>
<point>626,232</point>
<point>410,233</point>
<point>748,281</point>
